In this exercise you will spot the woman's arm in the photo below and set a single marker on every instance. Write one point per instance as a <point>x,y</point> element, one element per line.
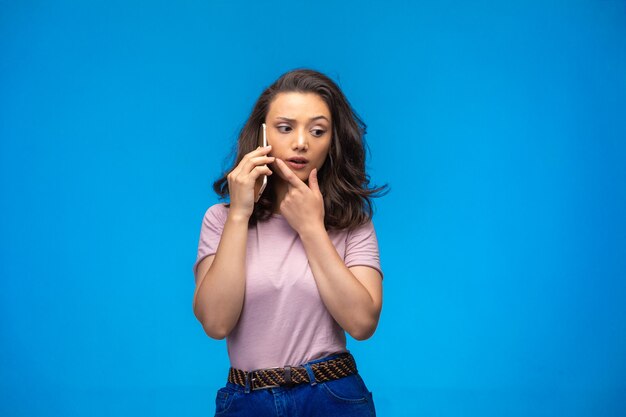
<point>353,296</point>
<point>218,299</point>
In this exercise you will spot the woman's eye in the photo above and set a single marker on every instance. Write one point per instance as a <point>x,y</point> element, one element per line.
<point>287,129</point>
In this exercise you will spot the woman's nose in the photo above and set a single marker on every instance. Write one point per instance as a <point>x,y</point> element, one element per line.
<point>301,141</point>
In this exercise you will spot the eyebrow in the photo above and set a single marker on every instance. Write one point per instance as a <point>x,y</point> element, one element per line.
<point>311,119</point>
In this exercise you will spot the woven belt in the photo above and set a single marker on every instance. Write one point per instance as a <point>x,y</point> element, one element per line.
<point>329,370</point>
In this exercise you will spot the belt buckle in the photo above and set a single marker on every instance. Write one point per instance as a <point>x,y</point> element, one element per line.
<point>252,379</point>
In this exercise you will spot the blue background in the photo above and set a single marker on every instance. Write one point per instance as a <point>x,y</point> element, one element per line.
<point>500,127</point>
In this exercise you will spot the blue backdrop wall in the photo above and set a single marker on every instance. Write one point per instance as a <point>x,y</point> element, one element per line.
<point>500,127</point>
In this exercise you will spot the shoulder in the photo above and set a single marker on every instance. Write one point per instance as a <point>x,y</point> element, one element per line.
<point>217,213</point>
<point>218,208</point>
<point>365,228</point>
<point>359,233</point>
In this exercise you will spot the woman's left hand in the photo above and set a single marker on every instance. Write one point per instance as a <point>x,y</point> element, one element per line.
<point>303,205</point>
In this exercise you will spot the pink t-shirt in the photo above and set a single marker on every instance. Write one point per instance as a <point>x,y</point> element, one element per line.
<point>284,320</point>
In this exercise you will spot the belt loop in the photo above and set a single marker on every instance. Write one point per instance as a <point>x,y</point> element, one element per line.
<point>288,380</point>
<point>248,376</point>
<point>310,372</point>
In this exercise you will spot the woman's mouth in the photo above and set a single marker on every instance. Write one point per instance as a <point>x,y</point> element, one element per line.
<point>295,165</point>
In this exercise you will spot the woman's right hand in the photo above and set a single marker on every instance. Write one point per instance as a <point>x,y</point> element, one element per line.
<point>241,180</point>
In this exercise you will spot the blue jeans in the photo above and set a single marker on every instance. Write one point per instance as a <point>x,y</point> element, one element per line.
<point>347,396</point>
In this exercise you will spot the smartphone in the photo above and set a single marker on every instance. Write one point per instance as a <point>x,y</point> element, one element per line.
<point>261,182</point>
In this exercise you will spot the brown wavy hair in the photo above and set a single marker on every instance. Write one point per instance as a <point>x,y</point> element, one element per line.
<point>343,181</point>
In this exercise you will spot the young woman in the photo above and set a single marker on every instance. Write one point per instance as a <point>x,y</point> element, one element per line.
<point>284,277</point>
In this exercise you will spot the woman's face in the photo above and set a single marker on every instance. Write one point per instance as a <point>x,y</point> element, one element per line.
<point>299,128</point>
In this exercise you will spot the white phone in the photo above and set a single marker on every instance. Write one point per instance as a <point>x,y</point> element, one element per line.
<point>261,182</point>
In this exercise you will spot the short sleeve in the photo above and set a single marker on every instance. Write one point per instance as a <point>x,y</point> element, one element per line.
<point>210,232</point>
<point>362,247</point>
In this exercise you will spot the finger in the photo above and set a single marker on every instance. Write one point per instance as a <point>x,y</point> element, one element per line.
<point>260,151</point>
<point>291,178</point>
<point>259,160</point>
<point>260,170</point>
<point>313,184</point>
